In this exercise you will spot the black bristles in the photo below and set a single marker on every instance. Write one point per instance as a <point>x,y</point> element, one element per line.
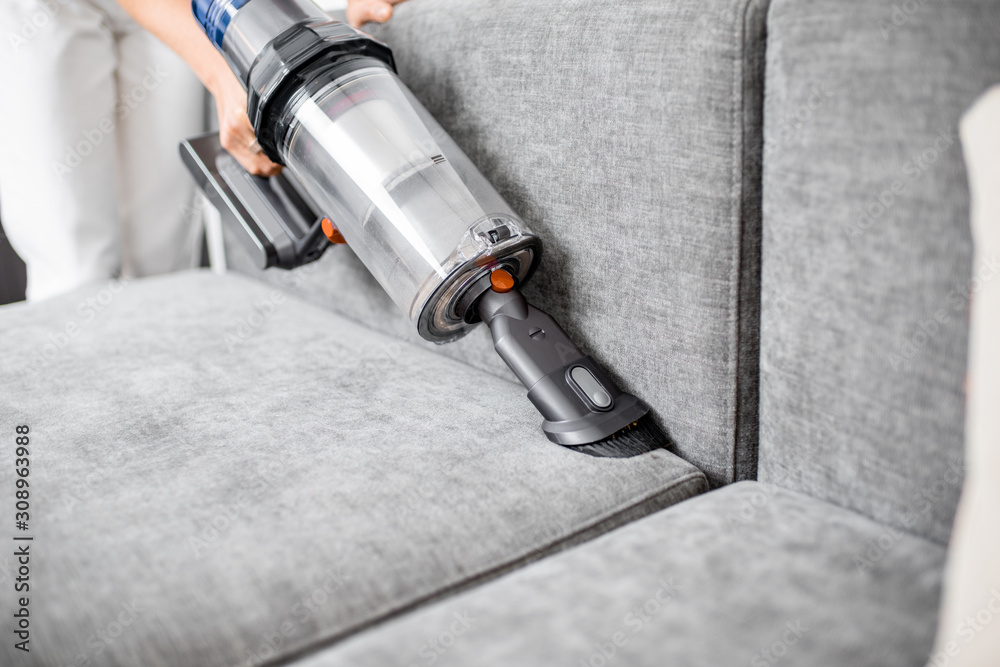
<point>637,438</point>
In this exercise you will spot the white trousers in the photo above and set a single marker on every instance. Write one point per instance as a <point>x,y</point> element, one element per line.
<point>92,109</point>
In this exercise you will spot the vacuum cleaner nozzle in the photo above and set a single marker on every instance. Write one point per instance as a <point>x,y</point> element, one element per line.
<point>637,438</point>
<point>583,409</point>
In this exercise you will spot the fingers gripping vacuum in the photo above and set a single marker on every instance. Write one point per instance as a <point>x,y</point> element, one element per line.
<point>581,406</point>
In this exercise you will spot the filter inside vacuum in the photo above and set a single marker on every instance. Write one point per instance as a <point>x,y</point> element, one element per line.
<point>408,201</point>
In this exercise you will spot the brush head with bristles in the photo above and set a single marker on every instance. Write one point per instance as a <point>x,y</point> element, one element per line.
<point>637,438</point>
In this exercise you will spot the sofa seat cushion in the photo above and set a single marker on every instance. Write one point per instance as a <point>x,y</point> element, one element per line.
<point>222,474</point>
<point>746,574</point>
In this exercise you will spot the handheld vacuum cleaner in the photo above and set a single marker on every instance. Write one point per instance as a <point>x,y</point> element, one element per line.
<point>366,164</point>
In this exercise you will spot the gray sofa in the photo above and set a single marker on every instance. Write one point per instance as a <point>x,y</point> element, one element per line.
<point>755,215</point>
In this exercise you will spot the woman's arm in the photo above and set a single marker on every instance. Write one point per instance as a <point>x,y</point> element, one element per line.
<point>173,22</point>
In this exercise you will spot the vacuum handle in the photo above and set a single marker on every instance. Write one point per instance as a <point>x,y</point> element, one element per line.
<point>273,217</point>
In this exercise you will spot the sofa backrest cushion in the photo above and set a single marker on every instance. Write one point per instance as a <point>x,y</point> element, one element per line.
<point>866,258</point>
<point>620,135</point>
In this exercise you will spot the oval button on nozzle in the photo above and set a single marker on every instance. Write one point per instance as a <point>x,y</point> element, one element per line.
<point>587,383</point>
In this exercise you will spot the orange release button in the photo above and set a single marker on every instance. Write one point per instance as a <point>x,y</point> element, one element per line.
<point>502,281</point>
<point>331,232</point>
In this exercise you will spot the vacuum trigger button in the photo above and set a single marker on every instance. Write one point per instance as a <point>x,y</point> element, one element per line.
<point>586,381</point>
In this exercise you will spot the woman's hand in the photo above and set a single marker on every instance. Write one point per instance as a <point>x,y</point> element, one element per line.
<point>173,22</point>
<point>363,11</point>
<point>235,132</point>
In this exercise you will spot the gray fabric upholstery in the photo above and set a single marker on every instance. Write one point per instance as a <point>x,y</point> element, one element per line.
<point>214,462</point>
<point>866,251</point>
<point>628,139</point>
<point>747,574</point>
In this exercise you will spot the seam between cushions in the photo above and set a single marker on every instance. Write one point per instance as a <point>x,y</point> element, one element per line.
<point>587,531</point>
<point>748,374</point>
<point>734,213</point>
<point>304,300</point>
<point>745,264</point>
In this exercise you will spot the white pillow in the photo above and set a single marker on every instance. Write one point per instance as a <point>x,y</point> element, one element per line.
<point>969,627</point>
